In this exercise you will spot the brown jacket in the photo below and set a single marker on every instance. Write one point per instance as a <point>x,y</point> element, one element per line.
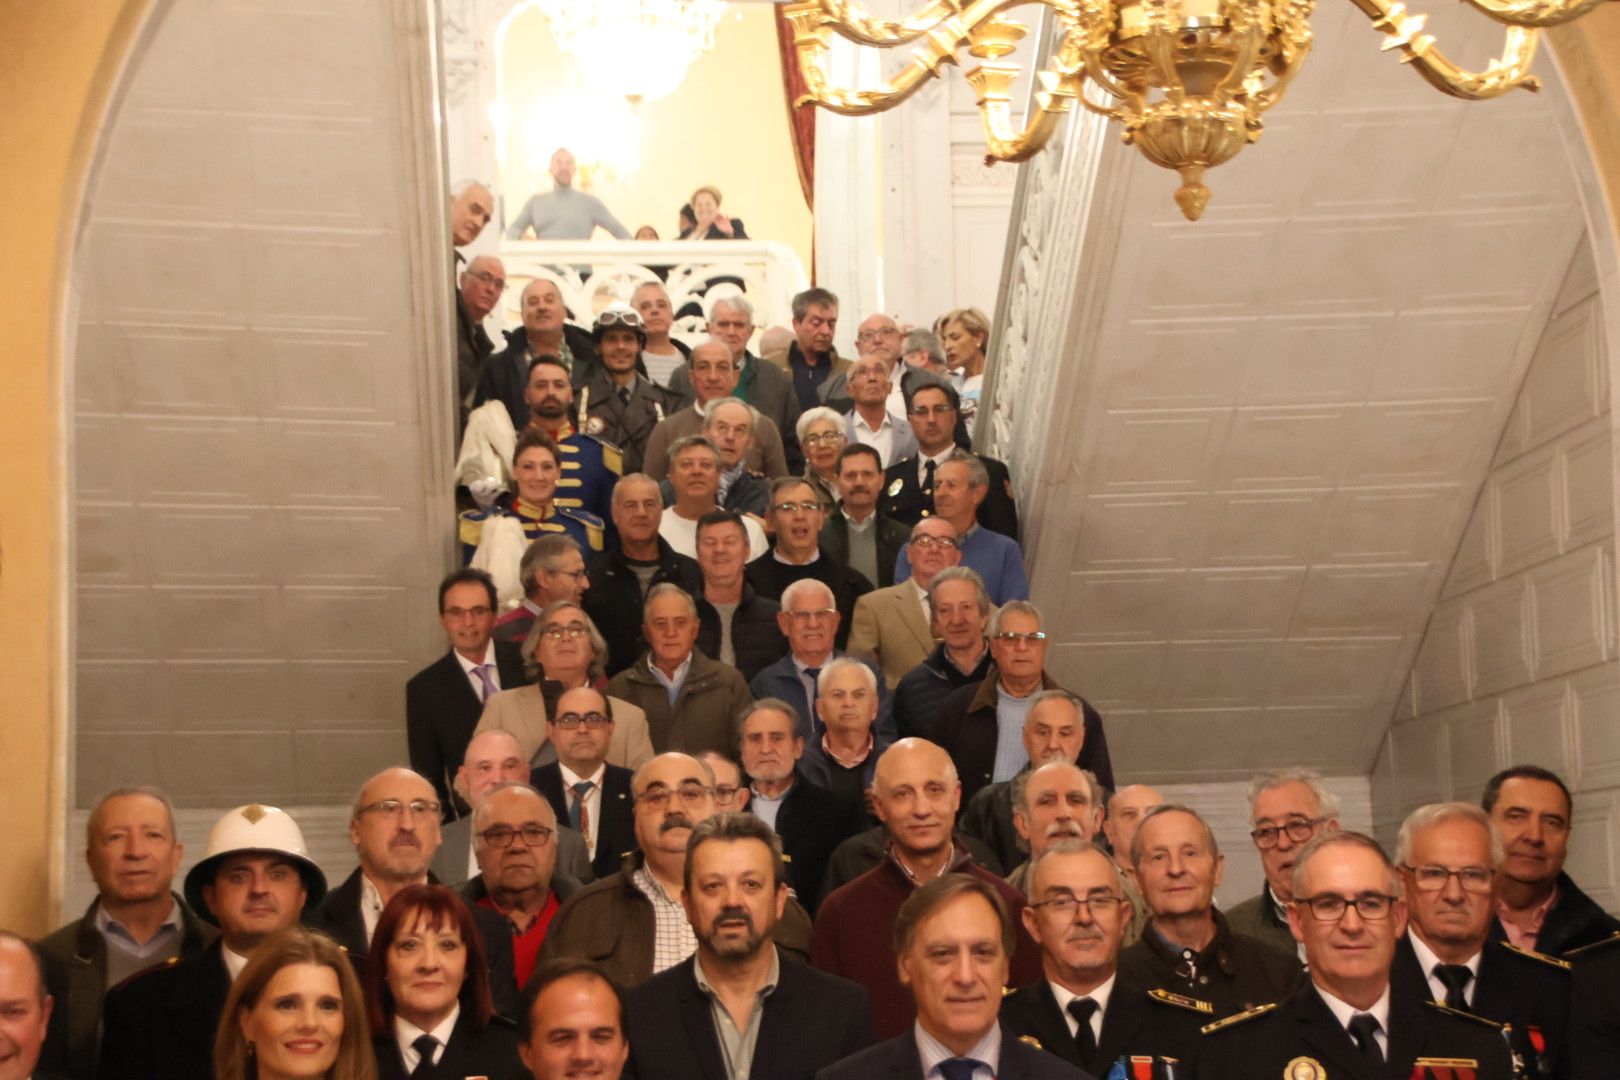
<point>704,714</point>
<point>611,922</point>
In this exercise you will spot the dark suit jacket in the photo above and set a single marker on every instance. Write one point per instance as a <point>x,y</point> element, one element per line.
<point>812,821</point>
<point>757,640</point>
<point>809,1021</point>
<point>506,373</point>
<point>908,503</point>
<point>615,830</point>
<point>76,975</point>
<point>441,712</point>
<point>1134,1025</point>
<point>339,918</point>
<point>781,680</point>
<point>898,1059</point>
<point>1595,1011</point>
<point>891,537</point>
<point>967,731</point>
<point>160,1024</point>
<point>492,1052</point>
<point>1574,921</point>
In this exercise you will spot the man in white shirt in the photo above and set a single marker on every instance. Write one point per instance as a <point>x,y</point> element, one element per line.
<point>871,421</point>
<point>694,473</point>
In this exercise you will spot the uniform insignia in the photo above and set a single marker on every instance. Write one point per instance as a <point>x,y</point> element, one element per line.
<point>570,481</point>
<point>1612,939</point>
<point>1443,1063</point>
<point>1304,1068</point>
<point>1031,1041</point>
<point>1531,954</point>
<point>894,488</point>
<point>470,527</point>
<point>254,813</point>
<point>1007,991</point>
<point>1237,1018</point>
<point>1492,1024</point>
<point>572,465</point>
<point>612,458</point>
<point>1167,998</point>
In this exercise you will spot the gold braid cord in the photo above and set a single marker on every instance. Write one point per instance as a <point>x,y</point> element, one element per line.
<point>1509,71</point>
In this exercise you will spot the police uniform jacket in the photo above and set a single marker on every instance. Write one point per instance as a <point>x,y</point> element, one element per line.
<point>627,425</point>
<point>898,1059</point>
<point>160,1024</point>
<point>1300,1039</point>
<point>614,600</point>
<point>76,975</point>
<point>905,500</point>
<point>1137,1023</point>
<point>1232,973</point>
<point>1595,1011</point>
<point>1526,991</point>
<point>586,528</point>
<point>490,1052</point>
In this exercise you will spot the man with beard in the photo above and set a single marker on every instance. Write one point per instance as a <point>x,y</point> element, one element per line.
<point>632,922</point>
<point>1052,802</point>
<point>1054,730</point>
<point>255,878</point>
<point>621,576</point>
<point>860,537</point>
<point>622,403</point>
<point>810,820</point>
<point>480,289</point>
<point>795,518</point>
<point>1455,953</point>
<point>515,838</point>
<point>734,1002</point>
<point>1286,809</point>
<point>713,373</point>
<point>1082,1010</point>
<point>394,827</point>
<point>738,626</point>
<point>585,792</point>
<point>957,611</point>
<point>590,466</point>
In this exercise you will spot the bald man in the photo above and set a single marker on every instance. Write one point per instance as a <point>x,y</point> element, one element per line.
<point>916,794</point>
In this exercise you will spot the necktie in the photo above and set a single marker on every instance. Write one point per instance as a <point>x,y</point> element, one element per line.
<point>1456,978</point>
<point>813,674</point>
<point>425,1045</point>
<point>1363,1028</point>
<point>959,1068</point>
<point>490,689</point>
<point>624,394</point>
<point>578,816</point>
<point>928,479</point>
<point>1082,1010</point>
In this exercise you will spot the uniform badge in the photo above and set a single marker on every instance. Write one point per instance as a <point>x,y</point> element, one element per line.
<point>1031,1041</point>
<point>594,426</point>
<point>1304,1068</point>
<point>894,488</point>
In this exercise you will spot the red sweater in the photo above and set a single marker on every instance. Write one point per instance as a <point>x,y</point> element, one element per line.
<point>855,938</point>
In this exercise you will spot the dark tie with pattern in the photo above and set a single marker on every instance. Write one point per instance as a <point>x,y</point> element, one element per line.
<point>959,1068</point>
<point>1363,1028</point>
<point>624,394</point>
<point>425,1069</point>
<point>1082,1010</point>
<point>928,479</point>
<point>578,816</point>
<point>1456,978</point>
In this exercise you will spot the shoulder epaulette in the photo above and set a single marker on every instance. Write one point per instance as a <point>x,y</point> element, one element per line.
<point>1492,1024</point>
<point>612,456</point>
<point>1531,954</point>
<point>1612,939</point>
<point>470,526</point>
<point>581,515</point>
<point>1165,997</point>
<point>1237,1018</point>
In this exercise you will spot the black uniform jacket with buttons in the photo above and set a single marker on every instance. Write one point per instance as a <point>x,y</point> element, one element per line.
<point>1136,1024</point>
<point>905,501</point>
<point>1233,972</point>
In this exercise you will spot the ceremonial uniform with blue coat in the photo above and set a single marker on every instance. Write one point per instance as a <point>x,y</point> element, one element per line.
<point>589,468</point>
<point>586,528</point>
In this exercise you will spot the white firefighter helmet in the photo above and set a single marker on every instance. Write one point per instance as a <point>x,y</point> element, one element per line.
<point>254,828</point>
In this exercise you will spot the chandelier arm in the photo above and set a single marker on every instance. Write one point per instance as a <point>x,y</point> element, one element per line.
<point>1272,94</point>
<point>868,102</point>
<point>1507,72</point>
<point>1003,144</point>
<point>1243,58</point>
<point>1536,13</point>
<point>852,21</point>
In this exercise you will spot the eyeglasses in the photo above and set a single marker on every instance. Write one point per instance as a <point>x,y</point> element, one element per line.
<point>501,836</point>
<point>1474,879</point>
<point>811,614</point>
<point>927,542</point>
<point>618,318</point>
<point>1298,830</point>
<point>489,279</point>
<point>1330,907</point>
<point>934,410</point>
<point>1098,904</point>
<point>808,506</point>
<point>690,795</point>
<point>463,612</point>
<point>568,721</point>
<point>577,575</point>
<point>398,808</point>
<point>729,324</point>
<point>1013,637</point>
<point>725,792</point>
<point>874,335</point>
<point>821,437</point>
<point>570,631</point>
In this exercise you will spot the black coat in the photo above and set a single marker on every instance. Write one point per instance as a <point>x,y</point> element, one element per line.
<point>1135,1024</point>
<point>756,639</point>
<point>1260,1047</point>
<point>506,373</point>
<point>967,730</point>
<point>864,850</point>
<point>616,829</point>
<point>441,712</point>
<point>891,537</point>
<point>1524,990</point>
<point>1233,972</point>
<point>490,1053</point>
<point>988,817</point>
<point>160,1024</point>
<point>1574,921</point>
<point>812,822</point>
<point>923,690</point>
<point>473,349</point>
<point>905,501</point>
<point>770,577</point>
<point>340,919</point>
<point>614,600</point>
<point>1595,1011</point>
<point>809,1021</point>
<point>897,1059</point>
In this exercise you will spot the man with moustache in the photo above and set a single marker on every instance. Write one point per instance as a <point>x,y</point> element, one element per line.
<point>735,1008</point>
<point>1455,952</point>
<point>958,610</point>
<point>795,518</point>
<point>953,940</point>
<point>1122,813</point>
<point>590,466</point>
<point>135,922</point>
<point>1053,801</point>
<point>857,534</point>
<point>1081,1010</point>
<point>254,879</point>
<point>1286,809</point>
<point>25,1009</point>
<point>810,820</point>
<point>713,374</point>
<point>573,1023</point>
<point>894,625</point>
<point>586,793</point>
<point>737,625</point>
<point>632,923</point>
<point>1350,1021</point>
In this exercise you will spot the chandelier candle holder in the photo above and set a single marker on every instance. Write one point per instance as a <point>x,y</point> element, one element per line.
<point>637,49</point>
<point>1188,80</point>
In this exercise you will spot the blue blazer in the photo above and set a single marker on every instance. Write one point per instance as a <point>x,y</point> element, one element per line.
<point>781,680</point>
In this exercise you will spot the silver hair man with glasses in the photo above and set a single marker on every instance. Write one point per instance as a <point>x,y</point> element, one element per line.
<point>586,793</point>
<point>1286,808</point>
<point>1081,1010</point>
<point>632,922</point>
<point>811,620</point>
<point>795,516</point>
<point>892,624</point>
<point>1448,855</point>
<point>1350,1020</point>
<point>394,826</point>
<point>960,487</point>
<point>713,374</point>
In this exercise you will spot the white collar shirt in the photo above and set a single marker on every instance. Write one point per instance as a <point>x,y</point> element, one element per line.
<point>234,961</point>
<point>1428,961</point>
<point>1343,1011</point>
<point>938,459</point>
<point>880,438</point>
<point>471,669</point>
<point>593,801</point>
<point>1100,995</point>
<point>406,1033</point>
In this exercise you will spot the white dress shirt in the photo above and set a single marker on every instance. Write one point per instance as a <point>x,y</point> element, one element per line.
<point>1428,961</point>
<point>987,1051</point>
<point>371,905</point>
<point>1343,1011</point>
<point>234,962</point>
<point>938,460</point>
<point>471,669</point>
<point>406,1033</point>
<point>1099,995</point>
<point>593,801</point>
<point>880,438</point>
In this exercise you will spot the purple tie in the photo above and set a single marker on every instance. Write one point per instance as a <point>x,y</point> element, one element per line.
<point>489,684</point>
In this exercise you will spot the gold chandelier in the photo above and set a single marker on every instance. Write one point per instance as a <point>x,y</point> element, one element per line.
<point>1188,79</point>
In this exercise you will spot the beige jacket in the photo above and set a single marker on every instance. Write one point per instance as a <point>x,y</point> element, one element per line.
<point>888,627</point>
<point>523,713</point>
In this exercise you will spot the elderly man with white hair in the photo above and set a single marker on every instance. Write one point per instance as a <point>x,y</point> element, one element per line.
<point>809,619</point>
<point>1286,809</point>
<point>712,373</point>
<point>764,386</point>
